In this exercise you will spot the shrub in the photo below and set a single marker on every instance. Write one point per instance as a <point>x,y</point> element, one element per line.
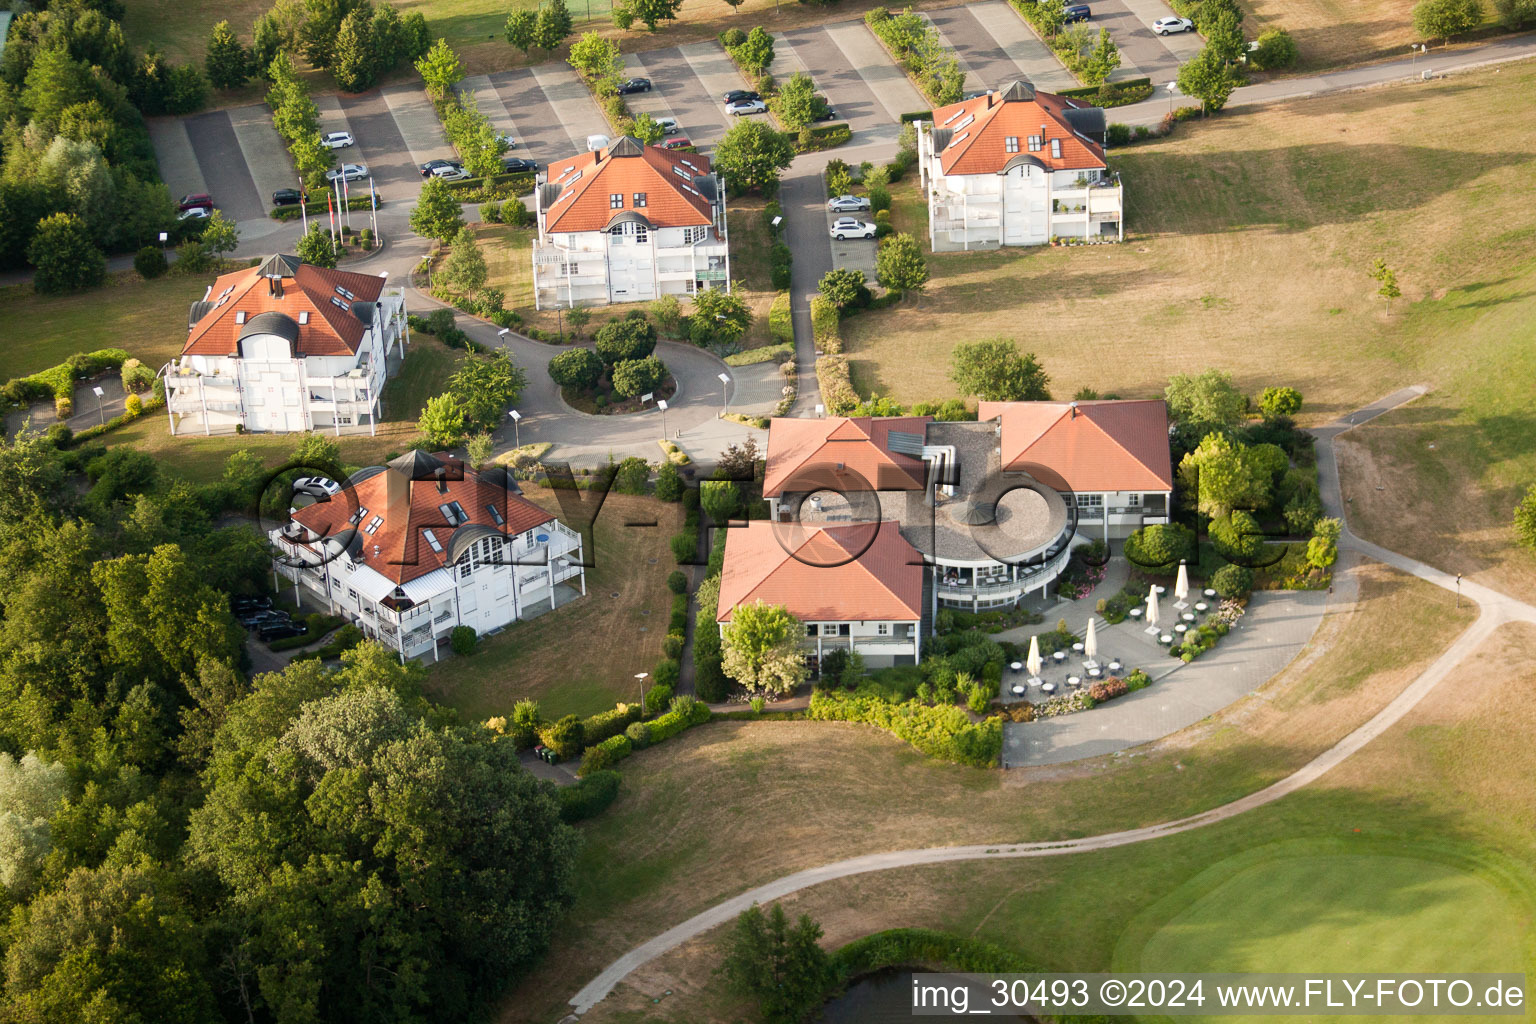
<point>824,325</point>
<point>136,376</point>
<point>942,732</point>
<point>604,755</point>
<point>463,639</point>
<point>1276,49</point>
<point>666,673</point>
<point>669,484</point>
<point>1442,19</point>
<point>150,262</point>
<point>1158,548</point>
<point>677,581</point>
<point>632,477</point>
<point>780,259</point>
<point>679,618</point>
<point>133,406</point>
<point>607,724</point>
<point>1108,690</point>
<point>684,545</point>
<point>525,723</point>
<point>732,37</point>
<point>589,797</point>
<point>634,377</point>
<point>1118,134</point>
<point>577,368</point>
<point>672,646</point>
<point>639,734</point>
<point>835,385</point>
<point>59,435</point>
<point>1232,581</point>
<point>564,737</point>
<point>658,697</point>
<point>673,722</point>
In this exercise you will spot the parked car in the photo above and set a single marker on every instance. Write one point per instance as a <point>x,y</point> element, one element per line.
<point>974,94</point>
<point>737,95</point>
<point>194,213</point>
<point>347,172</point>
<point>426,168</point>
<point>452,172</point>
<point>337,140</point>
<point>635,85</point>
<point>852,227</point>
<point>518,164</point>
<point>280,632</point>
<point>847,204</point>
<point>677,142</point>
<point>1077,12</point>
<point>196,200</point>
<point>741,107</point>
<point>507,138</point>
<point>248,603</point>
<point>287,197</point>
<point>597,142</point>
<point>316,486</point>
<point>826,115</point>
<point>669,125</point>
<point>1163,26</point>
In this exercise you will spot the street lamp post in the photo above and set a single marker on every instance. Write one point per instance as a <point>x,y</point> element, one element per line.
<point>1173,87</point>
<point>1458,590</point>
<point>640,678</point>
<point>102,410</point>
<point>725,402</point>
<point>661,403</point>
<point>516,430</point>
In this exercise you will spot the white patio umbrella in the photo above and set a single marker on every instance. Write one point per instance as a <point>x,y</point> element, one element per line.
<point>1181,586</point>
<point>1091,646</point>
<point>1152,609</point>
<point>1033,661</point>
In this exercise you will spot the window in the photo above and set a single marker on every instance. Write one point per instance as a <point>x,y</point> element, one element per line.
<point>453,513</point>
<point>352,594</point>
<point>616,201</point>
<point>373,527</point>
<point>639,199</point>
<point>691,235</point>
<point>528,539</point>
<point>1034,143</point>
<point>344,293</point>
<point>495,515</point>
<point>810,629</point>
<point>1011,144</point>
<point>682,173</point>
<point>357,516</point>
<point>642,233</point>
<point>437,545</point>
<point>1133,499</point>
<point>568,270</point>
<point>1056,149</point>
<point>1094,502</point>
<point>303,316</point>
<point>883,629</point>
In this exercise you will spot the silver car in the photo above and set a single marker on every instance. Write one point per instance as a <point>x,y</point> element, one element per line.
<point>347,172</point>
<point>746,107</point>
<point>847,204</point>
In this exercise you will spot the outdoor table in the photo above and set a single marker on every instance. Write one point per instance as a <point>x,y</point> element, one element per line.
<point>1161,589</point>
<point>1075,680</point>
<point>1018,689</point>
<point>1048,687</point>
<point>1165,639</point>
<point>1201,606</point>
<point>1016,666</point>
<point>1209,592</point>
<point>1180,628</point>
<point>1114,666</point>
<point>1060,655</point>
<point>1188,616</point>
<point>1094,673</point>
<point>1135,613</point>
<point>1077,647</point>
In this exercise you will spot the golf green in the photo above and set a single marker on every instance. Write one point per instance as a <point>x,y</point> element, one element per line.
<point>1309,907</point>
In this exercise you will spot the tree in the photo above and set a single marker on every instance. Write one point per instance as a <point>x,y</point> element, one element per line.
<point>355,63</point>
<point>442,420</point>
<point>1525,519</point>
<point>721,499</point>
<point>996,371</point>
<point>738,461</point>
<point>630,337</point>
<point>899,265</point>
<point>1442,19</point>
<point>1513,14</point>
<point>577,368</point>
<point>634,377</point>
<point>416,39</point>
<point>751,155</point>
<point>797,103</point>
<point>669,483</point>
<point>1276,49</point>
<point>1387,278</point>
<point>1208,79</point>
<point>1280,402</point>
<point>1103,61</point>
<point>1223,33</point>
<point>718,316</point>
<point>440,70</point>
<point>653,12</point>
<point>437,213</point>
<point>386,34</point>
<point>1160,547</point>
<point>1232,581</point>
<point>220,235</point>
<point>30,792</point>
<point>266,40</point>
<point>484,386</point>
<point>1222,476</point>
<point>842,286</point>
<point>64,255</point>
<point>646,129</point>
<point>1209,398</point>
<point>633,476</point>
<point>755,53</point>
<point>465,268</point>
<point>521,29</point>
<point>228,62</point>
<point>597,59</point>
<point>554,25</point>
<point>316,247</point>
<point>1237,537</point>
<point>780,965</point>
<point>761,647</point>
<point>565,736</point>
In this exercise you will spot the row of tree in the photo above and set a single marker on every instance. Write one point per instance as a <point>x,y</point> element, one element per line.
<point>356,41</point>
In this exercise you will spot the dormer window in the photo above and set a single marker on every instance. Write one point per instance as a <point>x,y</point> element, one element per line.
<point>240,316</point>
<point>1056,149</point>
<point>303,316</point>
<point>373,527</point>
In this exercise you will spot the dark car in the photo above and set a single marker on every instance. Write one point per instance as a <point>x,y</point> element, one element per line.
<point>196,201</point>
<point>432,165</point>
<point>738,95</point>
<point>518,164</point>
<point>280,632</point>
<point>635,85</point>
<point>1077,12</point>
<point>826,115</point>
<point>287,197</point>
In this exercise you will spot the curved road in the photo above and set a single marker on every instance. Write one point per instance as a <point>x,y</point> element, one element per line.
<point>1495,609</point>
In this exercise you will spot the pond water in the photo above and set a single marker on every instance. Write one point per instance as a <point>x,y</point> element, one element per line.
<point>884,997</point>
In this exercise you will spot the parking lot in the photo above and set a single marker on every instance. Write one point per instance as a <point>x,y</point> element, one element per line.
<point>233,155</point>
<point>997,48</point>
<point>856,75</point>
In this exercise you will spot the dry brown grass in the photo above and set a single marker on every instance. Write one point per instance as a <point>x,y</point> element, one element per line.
<point>1330,32</point>
<point>734,804</point>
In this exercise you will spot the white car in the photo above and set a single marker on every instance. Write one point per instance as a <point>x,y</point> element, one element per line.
<point>852,227</point>
<point>451,172</point>
<point>195,213</point>
<point>597,142</point>
<point>337,140</point>
<point>347,172</point>
<point>847,204</point>
<point>1163,26</point>
<point>316,486</point>
<point>746,107</point>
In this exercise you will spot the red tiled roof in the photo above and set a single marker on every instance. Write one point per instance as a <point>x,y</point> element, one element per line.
<point>837,573</point>
<point>981,126</point>
<point>861,444</point>
<point>329,330</point>
<point>671,200</point>
<point>1104,446</point>
<point>403,553</point>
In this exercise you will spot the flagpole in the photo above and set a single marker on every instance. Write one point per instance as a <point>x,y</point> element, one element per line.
<point>373,209</point>
<point>346,200</point>
<point>304,205</point>
<point>330,213</point>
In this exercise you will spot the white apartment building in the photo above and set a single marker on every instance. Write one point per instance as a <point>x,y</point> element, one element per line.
<point>1017,167</point>
<point>628,223</point>
<point>411,550</point>
<point>287,346</point>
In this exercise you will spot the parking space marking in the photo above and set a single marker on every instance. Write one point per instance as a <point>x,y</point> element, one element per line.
<point>381,146</point>
<point>976,61</point>
<point>572,104</point>
<point>417,120</point>
<point>543,137</point>
<point>263,149</point>
<point>173,152</point>
<point>786,61</point>
<point>1141,55</point>
<point>333,118</point>
<point>844,88</point>
<point>1022,46</point>
<point>653,102</point>
<point>1183,46</point>
<point>698,111</point>
<point>890,85</point>
<point>717,75</point>
<point>229,182</point>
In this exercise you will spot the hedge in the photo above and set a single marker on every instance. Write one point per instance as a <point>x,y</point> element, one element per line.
<point>1089,91</point>
<point>606,724</point>
<point>942,732</point>
<point>1114,94</point>
<point>589,797</point>
<point>315,627</point>
<point>825,323</point>
<point>780,265</point>
<point>605,755</point>
<point>58,381</point>
<point>497,186</point>
<point>674,722</point>
<point>917,115</point>
<point>837,392</point>
<point>781,326</point>
<point>768,353</point>
<point>824,136</point>
<point>318,208</point>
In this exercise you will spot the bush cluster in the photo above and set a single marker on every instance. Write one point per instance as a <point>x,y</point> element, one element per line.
<point>589,797</point>
<point>835,384</point>
<point>607,724</point>
<point>946,733</point>
<point>603,756</point>
<point>918,48</point>
<point>685,714</point>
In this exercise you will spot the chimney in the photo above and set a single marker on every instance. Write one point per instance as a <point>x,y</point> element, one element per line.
<point>397,496</point>
<point>271,285</point>
<point>442,479</point>
<point>1074,410</point>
